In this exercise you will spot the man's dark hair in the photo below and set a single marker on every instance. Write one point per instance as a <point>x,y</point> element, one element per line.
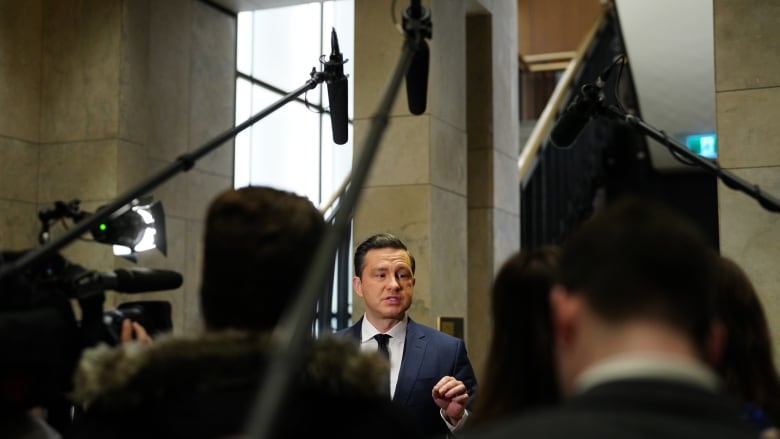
<point>259,244</point>
<point>641,259</point>
<point>374,242</point>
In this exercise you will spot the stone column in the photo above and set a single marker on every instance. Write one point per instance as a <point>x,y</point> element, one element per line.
<point>417,185</point>
<point>101,94</point>
<point>20,99</point>
<point>747,74</point>
<point>421,181</point>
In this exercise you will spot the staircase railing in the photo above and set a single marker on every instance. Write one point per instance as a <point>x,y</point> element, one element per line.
<point>561,187</point>
<point>529,152</point>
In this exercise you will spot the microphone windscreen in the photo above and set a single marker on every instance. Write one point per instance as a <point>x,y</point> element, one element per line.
<point>141,280</point>
<point>568,128</point>
<point>337,96</point>
<point>417,80</point>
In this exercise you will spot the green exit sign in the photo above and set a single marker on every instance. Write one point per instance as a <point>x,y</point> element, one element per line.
<point>704,145</point>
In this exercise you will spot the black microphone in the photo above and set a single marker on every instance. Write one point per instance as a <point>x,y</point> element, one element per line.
<point>582,109</point>
<point>576,116</point>
<point>131,280</point>
<point>337,91</point>
<point>417,74</point>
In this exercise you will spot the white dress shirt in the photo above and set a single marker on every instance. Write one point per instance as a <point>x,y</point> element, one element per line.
<point>395,345</point>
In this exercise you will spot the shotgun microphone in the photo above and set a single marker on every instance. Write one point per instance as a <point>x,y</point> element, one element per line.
<point>417,74</point>
<point>577,115</point>
<point>126,280</point>
<point>587,103</point>
<point>337,91</point>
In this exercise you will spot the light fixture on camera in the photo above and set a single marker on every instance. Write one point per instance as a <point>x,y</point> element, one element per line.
<point>136,228</point>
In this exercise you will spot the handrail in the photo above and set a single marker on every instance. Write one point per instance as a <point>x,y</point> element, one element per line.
<point>534,58</point>
<point>547,117</point>
<point>337,194</point>
<point>540,62</point>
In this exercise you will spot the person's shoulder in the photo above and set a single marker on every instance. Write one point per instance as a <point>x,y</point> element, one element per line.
<point>563,423</point>
<point>339,333</point>
<point>349,329</point>
<point>431,332</point>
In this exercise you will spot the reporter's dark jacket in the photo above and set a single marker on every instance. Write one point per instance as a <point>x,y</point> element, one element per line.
<point>205,387</point>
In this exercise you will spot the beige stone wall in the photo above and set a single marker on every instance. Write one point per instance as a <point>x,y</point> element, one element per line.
<point>20,100</point>
<point>108,93</point>
<point>449,193</point>
<point>493,147</point>
<point>747,73</point>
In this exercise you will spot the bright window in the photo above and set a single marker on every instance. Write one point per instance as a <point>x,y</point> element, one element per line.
<point>292,148</point>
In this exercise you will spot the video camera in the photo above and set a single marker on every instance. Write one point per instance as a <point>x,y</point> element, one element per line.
<point>41,335</point>
<point>153,315</point>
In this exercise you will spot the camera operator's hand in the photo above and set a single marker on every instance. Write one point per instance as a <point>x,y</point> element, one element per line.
<point>134,331</point>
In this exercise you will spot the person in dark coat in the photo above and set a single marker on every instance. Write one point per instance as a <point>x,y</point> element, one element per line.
<point>259,245</point>
<point>636,335</point>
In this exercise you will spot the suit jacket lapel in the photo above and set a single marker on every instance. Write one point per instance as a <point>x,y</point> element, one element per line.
<point>354,330</point>
<point>414,352</point>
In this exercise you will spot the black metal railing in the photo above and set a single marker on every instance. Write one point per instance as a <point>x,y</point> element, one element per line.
<point>560,187</point>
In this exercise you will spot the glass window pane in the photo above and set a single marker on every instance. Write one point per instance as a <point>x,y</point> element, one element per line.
<point>242,169</point>
<point>287,46</point>
<point>244,42</point>
<point>293,148</point>
<point>285,147</point>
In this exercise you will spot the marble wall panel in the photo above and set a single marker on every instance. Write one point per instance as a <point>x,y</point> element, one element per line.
<point>447,76</point>
<point>449,256</point>
<point>746,35</point>
<point>169,83</point>
<point>19,225</point>
<point>85,170</point>
<point>18,170</point>
<point>403,154</point>
<point>135,73</point>
<point>80,70</point>
<point>20,69</point>
<point>448,157</point>
<point>748,128</point>
<point>213,60</point>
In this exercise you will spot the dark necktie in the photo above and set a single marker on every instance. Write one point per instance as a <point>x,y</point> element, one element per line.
<point>381,340</point>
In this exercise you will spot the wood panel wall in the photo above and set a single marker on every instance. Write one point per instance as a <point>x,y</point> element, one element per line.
<point>546,26</point>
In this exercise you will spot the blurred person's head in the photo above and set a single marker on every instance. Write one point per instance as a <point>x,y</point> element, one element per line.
<point>259,244</point>
<point>747,364</point>
<point>637,276</point>
<point>520,367</point>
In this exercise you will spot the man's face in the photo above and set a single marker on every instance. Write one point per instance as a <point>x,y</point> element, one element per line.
<point>386,284</point>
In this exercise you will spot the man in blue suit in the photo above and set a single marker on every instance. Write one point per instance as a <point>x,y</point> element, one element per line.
<point>430,372</point>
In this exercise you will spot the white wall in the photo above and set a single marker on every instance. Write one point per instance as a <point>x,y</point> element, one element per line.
<point>671,53</point>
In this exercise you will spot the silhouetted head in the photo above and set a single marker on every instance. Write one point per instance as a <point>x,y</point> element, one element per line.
<point>640,259</point>
<point>259,245</point>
